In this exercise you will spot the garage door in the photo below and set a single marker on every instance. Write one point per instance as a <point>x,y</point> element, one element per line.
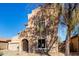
<point>13,46</point>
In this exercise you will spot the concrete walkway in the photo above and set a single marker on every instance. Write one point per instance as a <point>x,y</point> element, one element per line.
<point>16,53</point>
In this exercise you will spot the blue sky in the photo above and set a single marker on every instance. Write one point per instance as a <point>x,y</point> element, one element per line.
<point>14,16</point>
<point>62,31</point>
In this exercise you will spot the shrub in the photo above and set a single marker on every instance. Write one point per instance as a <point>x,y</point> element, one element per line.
<point>1,53</point>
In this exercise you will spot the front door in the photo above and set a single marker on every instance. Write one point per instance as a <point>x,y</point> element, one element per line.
<point>25,45</point>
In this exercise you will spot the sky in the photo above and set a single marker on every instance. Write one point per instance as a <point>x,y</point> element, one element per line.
<point>62,29</point>
<point>14,16</point>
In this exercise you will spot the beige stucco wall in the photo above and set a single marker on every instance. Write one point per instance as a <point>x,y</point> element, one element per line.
<point>54,49</point>
<point>3,46</point>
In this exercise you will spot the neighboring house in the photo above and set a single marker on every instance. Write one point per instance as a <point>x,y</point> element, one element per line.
<point>74,43</point>
<point>4,44</point>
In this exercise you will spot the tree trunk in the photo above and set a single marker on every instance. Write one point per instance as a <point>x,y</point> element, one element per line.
<point>67,47</point>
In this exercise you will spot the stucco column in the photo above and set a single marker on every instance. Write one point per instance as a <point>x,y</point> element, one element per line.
<point>20,47</point>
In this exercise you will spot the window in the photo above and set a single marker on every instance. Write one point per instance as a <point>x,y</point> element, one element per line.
<point>41,43</point>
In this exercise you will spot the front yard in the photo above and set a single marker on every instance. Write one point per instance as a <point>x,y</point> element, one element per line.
<point>16,53</point>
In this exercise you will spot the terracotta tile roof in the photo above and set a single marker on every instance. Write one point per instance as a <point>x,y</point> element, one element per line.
<point>4,40</point>
<point>71,38</point>
<point>74,36</point>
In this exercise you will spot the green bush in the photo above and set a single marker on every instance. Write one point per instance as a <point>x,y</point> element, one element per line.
<point>1,53</point>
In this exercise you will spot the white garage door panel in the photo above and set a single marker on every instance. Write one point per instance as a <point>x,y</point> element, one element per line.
<point>13,46</point>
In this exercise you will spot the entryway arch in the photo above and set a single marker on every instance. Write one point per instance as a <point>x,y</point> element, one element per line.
<point>25,45</point>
